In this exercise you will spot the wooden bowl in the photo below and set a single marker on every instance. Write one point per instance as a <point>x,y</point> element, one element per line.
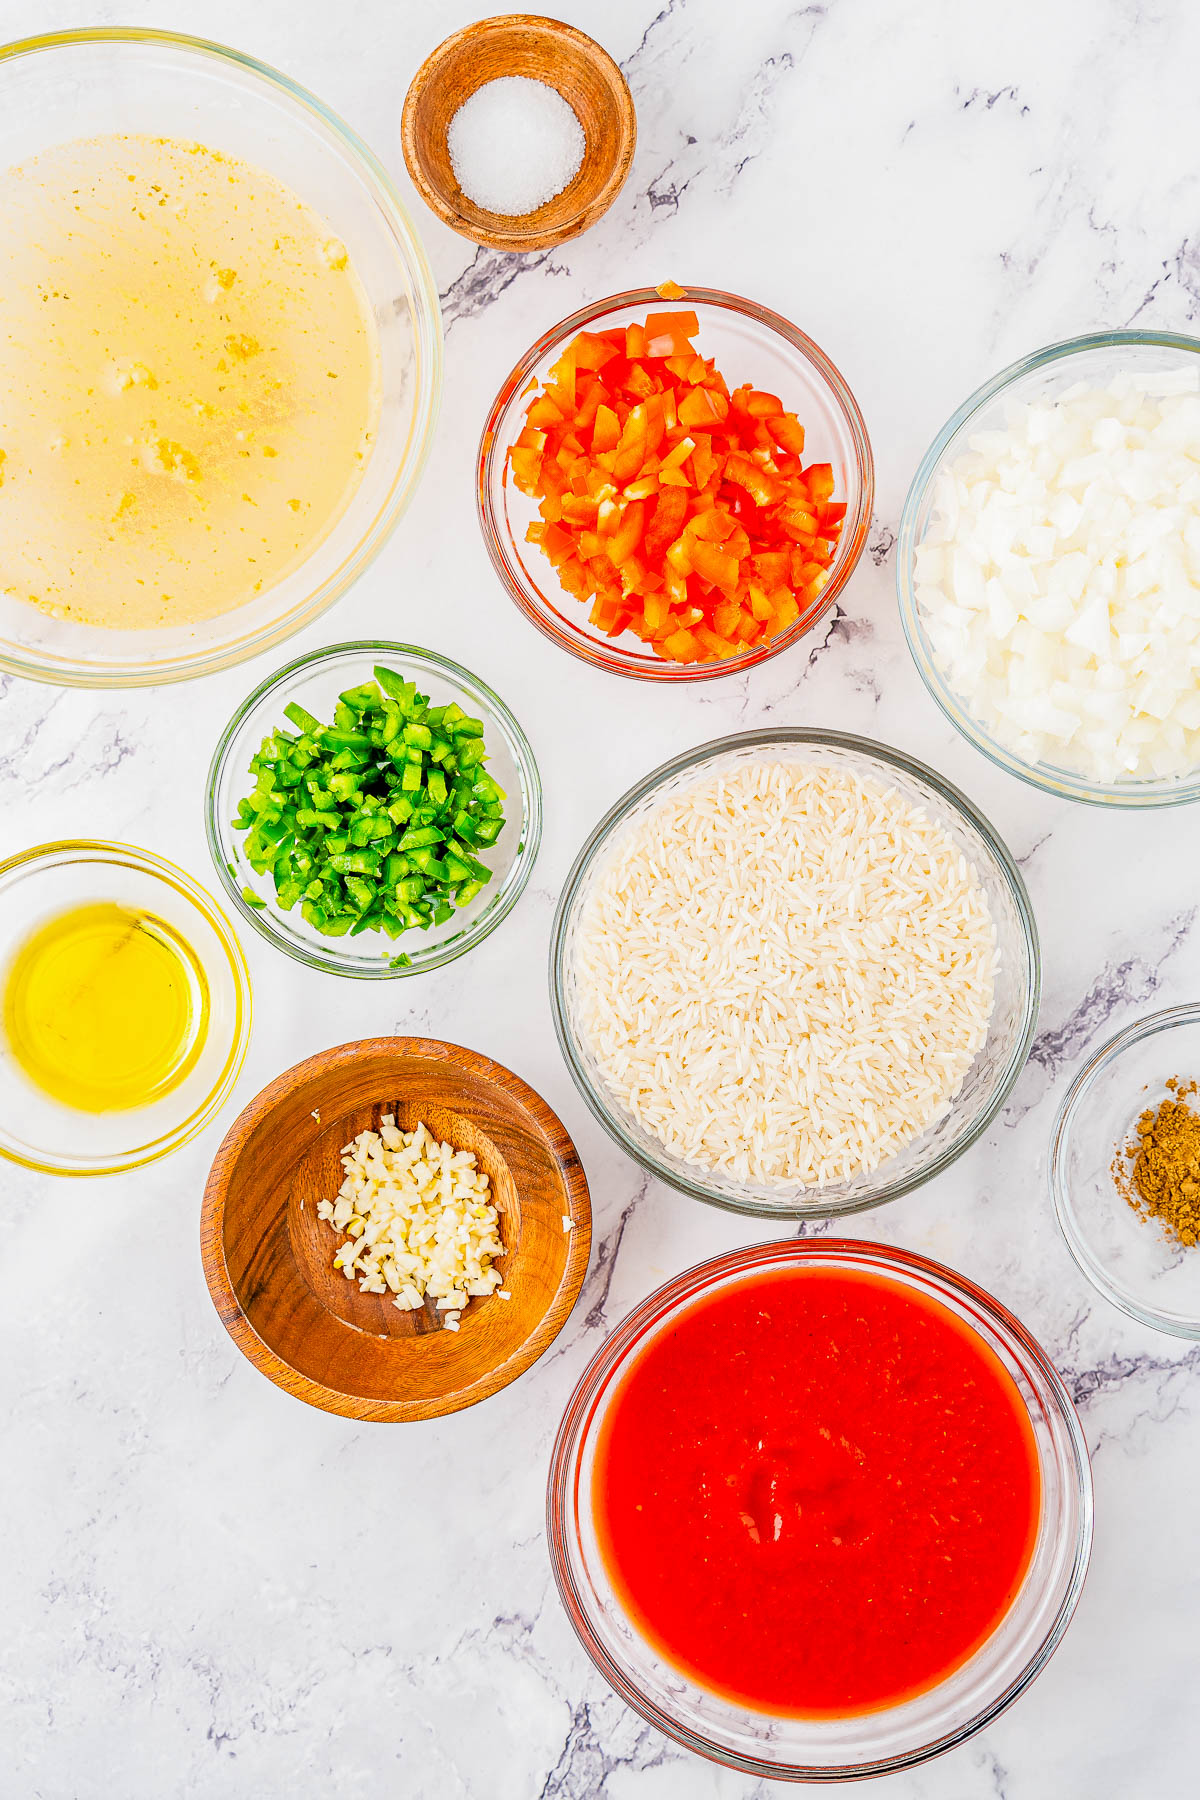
<point>545,50</point>
<point>268,1259</point>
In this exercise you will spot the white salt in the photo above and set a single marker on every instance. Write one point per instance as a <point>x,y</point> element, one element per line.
<point>514,145</point>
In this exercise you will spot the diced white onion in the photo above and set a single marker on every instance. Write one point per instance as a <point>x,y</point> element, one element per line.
<point>1059,580</point>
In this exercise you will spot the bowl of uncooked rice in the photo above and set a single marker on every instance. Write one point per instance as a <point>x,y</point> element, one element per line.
<point>795,973</point>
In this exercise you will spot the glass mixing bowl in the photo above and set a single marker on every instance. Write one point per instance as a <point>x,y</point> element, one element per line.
<point>1130,1259</point>
<point>749,343</point>
<point>315,681</point>
<point>38,1131</point>
<point>807,1749</point>
<point>1045,375</point>
<point>83,84</point>
<point>990,1076</point>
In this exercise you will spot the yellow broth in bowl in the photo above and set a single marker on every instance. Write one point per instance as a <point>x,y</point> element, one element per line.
<point>189,382</point>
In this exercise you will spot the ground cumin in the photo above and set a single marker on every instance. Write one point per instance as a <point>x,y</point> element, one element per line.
<point>1161,1175</point>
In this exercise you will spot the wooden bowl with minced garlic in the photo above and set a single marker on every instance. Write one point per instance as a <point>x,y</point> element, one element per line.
<point>269,1258</point>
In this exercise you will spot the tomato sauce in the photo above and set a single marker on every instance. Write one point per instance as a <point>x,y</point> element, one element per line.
<point>817,1493</point>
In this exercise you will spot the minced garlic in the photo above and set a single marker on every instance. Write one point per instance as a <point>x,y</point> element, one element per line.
<point>417,1220</point>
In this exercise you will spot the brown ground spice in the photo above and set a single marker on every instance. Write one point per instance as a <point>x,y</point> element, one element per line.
<point>1161,1178</point>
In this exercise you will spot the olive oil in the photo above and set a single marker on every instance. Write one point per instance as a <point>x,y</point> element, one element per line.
<point>105,1008</point>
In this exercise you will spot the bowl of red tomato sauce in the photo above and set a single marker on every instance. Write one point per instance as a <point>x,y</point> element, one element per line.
<point>820,1509</point>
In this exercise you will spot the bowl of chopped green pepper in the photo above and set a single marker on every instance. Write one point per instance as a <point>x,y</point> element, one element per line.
<point>373,809</point>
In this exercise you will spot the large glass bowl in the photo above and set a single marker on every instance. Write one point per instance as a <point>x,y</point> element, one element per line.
<point>750,343</point>
<point>315,681</point>
<point>1131,1260</point>
<point>82,84</point>
<point>38,1131</point>
<point>1045,375</point>
<point>826,1749</point>
<point>990,1076</point>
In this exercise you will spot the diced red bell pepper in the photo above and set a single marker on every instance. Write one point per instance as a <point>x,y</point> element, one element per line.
<point>588,405</point>
<point>681,511</point>
<point>545,412</point>
<point>593,351</point>
<point>680,646</point>
<point>640,383</point>
<point>628,535</point>
<point>670,334</point>
<point>606,434</point>
<point>714,564</point>
<point>667,522</point>
<point>787,430</point>
<point>819,481</point>
<point>633,448</point>
<point>557,543</point>
<point>525,465</point>
<point>702,409</point>
<point>763,489</point>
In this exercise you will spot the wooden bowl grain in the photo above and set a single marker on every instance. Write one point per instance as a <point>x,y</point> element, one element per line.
<point>268,1259</point>
<point>543,50</point>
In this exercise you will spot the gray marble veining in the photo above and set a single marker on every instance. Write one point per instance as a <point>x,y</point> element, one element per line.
<point>212,1593</point>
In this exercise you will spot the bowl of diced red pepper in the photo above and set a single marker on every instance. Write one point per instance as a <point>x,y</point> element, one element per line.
<point>675,484</point>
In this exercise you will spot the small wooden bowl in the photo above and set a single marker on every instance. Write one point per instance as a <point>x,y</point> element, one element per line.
<point>268,1259</point>
<point>544,50</point>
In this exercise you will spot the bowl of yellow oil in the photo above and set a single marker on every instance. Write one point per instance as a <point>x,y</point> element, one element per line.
<point>124,1008</point>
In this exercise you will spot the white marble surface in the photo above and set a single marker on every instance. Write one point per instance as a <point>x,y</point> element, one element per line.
<point>212,1592</point>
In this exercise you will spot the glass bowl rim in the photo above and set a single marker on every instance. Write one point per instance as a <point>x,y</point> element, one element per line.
<point>604,655</point>
<point>261,918</point>
<point>1047,778</point>
<point>621,1344</point>
<point>106,851</point>
<point>695,758</point>
<point>1097,1064</point>
<point>428,336</point>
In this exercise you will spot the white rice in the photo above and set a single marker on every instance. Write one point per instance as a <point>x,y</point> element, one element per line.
<point>785,972</point>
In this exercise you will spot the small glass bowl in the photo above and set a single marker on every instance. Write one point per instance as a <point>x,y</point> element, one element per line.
<point>80,84</point>
<point>1131,1260</point>
<point>41,1133</point>
<point>807,1749</point>
<point>1045,375</point>
<point>316,681</point>
<point>750,343</point>
<point>1014,1014</point>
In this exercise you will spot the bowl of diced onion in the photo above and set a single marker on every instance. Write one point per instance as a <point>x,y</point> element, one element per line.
<point>1048,569</point>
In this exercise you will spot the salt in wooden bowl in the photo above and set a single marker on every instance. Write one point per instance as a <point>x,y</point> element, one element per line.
<point>540,49</point>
